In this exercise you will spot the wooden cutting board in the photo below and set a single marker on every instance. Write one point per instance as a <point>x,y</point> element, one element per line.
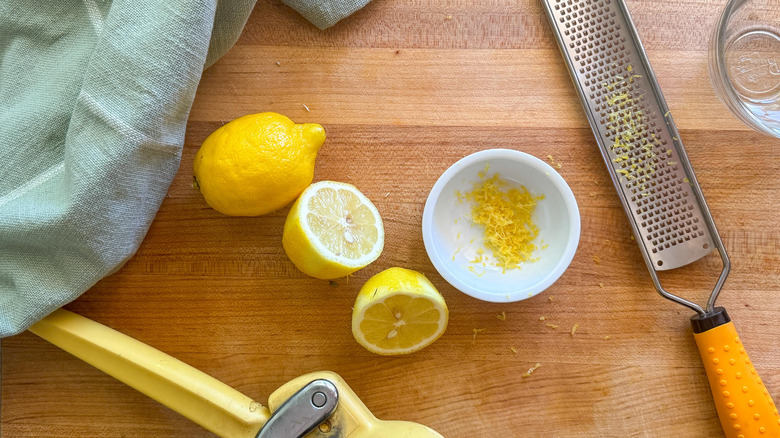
<point>404,90</point>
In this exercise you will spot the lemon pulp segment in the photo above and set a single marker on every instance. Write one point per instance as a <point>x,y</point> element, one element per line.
<point>400,322</point>
<point>332,230</point>
<point>398,311</point>
<point>342,223</point>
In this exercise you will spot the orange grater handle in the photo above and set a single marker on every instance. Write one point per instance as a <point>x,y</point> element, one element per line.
<point>745,408</point>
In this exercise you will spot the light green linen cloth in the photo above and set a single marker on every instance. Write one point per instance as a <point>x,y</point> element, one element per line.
<point>94,100</point>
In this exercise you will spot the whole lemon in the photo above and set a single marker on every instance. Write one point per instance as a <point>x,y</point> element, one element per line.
<point>257,163</point>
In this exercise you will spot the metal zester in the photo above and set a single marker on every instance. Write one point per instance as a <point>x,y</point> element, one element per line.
<point>648,165</point>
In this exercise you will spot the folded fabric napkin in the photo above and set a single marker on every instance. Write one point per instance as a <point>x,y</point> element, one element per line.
<point>94,100</point>
<point>325,13</point>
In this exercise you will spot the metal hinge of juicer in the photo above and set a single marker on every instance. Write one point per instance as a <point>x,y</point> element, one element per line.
<point>302,412</point>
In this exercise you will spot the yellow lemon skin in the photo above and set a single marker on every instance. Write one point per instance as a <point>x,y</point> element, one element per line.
<point>401,287</point>
<point>257,163</point>
<point>393,280</point>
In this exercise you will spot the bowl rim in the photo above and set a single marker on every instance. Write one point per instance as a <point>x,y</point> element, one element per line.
<point>558,183</point>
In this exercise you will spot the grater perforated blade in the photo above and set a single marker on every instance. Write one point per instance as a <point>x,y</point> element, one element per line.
<point>633,127</point>
<point>636,135</point>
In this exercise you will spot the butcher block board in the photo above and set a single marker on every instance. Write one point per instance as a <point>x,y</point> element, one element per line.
<point>405,89</point>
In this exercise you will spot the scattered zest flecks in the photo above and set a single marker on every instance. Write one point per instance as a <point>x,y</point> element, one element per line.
<point>476,331</point>
<point>633,142</point>
<point>532,369</point>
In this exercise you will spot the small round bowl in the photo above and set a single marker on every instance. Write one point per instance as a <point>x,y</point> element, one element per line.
<point>451,240</point>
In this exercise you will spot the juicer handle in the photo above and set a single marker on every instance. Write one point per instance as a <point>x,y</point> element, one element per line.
<point>745,408</point>
<point>203,399</point>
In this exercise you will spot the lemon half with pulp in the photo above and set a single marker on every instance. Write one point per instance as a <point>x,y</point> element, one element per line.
<point>398,311</point>
<point>332,230</point>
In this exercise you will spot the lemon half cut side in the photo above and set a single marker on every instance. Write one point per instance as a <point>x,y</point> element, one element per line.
<point>332,231</point>
<point>398,311</point>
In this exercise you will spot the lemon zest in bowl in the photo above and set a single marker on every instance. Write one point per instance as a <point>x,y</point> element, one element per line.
<point>474,271</point>
<point>506,215</point>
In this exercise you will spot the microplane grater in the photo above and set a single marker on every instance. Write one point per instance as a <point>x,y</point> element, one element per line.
<point>659,192</point>
<point>637,137</point>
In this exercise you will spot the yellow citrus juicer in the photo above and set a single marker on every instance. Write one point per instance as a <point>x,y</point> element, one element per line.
<point>316,405</point>
<point>649,167</point>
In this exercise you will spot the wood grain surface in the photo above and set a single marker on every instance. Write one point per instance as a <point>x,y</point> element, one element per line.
<point>405,89</point>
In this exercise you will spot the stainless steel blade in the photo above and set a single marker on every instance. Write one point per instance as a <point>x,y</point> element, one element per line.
<point>636,135</point>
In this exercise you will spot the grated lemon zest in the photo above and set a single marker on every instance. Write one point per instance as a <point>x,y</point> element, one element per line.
<point>506,215</point>
<point>532,369</point>
<point>474,337</point>
<point>478,274</point>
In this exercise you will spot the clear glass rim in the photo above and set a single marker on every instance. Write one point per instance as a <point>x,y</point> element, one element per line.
<point>721,81</point>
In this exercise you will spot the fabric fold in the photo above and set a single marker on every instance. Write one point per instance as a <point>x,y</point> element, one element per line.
<point>94,100</point>
<point>326,13</point>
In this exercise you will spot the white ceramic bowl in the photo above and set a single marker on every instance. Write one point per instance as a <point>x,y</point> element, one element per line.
<point>451,240</point>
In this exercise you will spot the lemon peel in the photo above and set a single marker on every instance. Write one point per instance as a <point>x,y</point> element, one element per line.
<point>256,164</point>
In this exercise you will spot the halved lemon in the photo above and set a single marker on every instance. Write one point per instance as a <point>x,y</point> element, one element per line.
<point>332,230</point>
<point>398,311</point>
